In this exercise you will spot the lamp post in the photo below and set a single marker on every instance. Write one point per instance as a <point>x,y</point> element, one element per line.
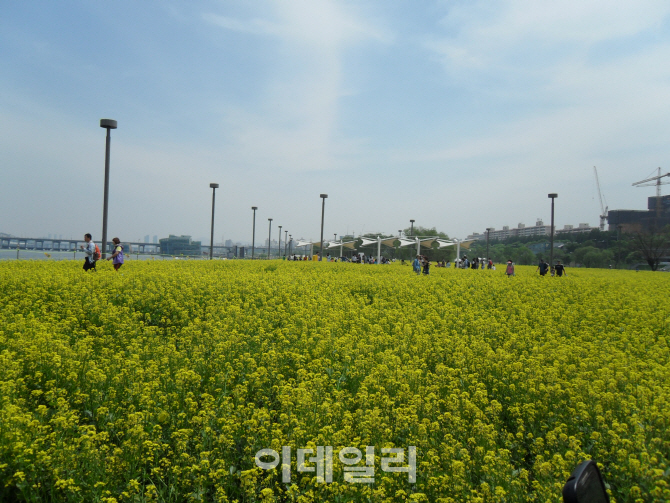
<point>618,247</point>
<point>488,231</point>
<point>279,245</point>
<point>253,237</point>
<point>397,250</point>
<point>269,236</point>
<point>214,186</point>
<point>411,230</point>
<point>107,124</point>
<point>285,241</point>
<point>290,236</point>
<point>552,196</point>
<point>323,208</point>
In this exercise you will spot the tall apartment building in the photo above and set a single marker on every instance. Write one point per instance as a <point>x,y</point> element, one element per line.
<point>521,230</point>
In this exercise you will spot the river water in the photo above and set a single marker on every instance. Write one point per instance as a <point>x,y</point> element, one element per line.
<point>68,255</point>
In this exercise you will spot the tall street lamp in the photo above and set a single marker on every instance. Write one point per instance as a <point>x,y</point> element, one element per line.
<point>214,186</point>
<point>269,236</point>
<point>253,237</point>
<point>290,236</point>
<point>488,231</point>
<point>323,208</point>
<point>279,245</point>
<point>107,124</point>
<point>285,241</point>
<point>552,196</point>
<point>411,230</point>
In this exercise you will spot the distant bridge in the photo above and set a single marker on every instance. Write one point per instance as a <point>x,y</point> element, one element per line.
<point>71,245</point>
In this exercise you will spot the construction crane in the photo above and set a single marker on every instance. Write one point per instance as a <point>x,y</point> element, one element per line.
<point>654,180</point>
<point>603,208</point>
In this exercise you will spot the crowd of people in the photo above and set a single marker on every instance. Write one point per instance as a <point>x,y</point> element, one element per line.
<point>355,259</point>
<point>475,263</point>
<point>420,264</point>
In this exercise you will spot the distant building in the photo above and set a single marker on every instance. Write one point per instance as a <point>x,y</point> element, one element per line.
<point>641,220</point>
<point>571,229</point>
<point>146,238</point>
<point>229,243</point>
<point>180,245</point>
<point>539,229</point>
<point>156,240</point>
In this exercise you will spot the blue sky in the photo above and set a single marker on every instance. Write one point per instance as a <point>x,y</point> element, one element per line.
<point>460,115</point>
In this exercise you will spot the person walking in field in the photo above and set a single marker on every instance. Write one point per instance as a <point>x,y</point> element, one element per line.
<point>510,269</point>
<point>90,250</point>
<point>117,256</point>
<point>543,267</point>
<point>426,266</point>
<point>560,269</point>
<point>416,265</point>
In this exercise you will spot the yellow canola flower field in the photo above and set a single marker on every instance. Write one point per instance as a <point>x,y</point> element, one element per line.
<point>163,381</point>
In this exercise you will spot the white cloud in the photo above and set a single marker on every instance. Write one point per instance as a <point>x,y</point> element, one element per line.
<point>296,121</point>
<point>506,23</point>
<point>583,103</point>
<point>520,36</point>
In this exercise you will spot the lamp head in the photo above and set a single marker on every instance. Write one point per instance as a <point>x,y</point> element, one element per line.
<point>214,185</point>
<point>108,123</point>
<point>324,196</point>
<point>552,195</point>
<point>254,208</point>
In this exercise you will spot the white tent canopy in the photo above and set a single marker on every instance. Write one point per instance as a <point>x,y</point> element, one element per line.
<point>406,242</point>
<point>445,244</point>
<point>368,241</point>
<point>335,244</point>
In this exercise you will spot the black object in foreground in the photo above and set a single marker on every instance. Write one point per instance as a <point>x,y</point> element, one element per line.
<point>585,485</point>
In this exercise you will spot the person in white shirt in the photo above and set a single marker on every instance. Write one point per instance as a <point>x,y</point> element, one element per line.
<point>89,250</point>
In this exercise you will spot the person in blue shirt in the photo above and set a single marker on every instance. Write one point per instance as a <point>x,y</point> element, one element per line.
<point>416,265</point>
